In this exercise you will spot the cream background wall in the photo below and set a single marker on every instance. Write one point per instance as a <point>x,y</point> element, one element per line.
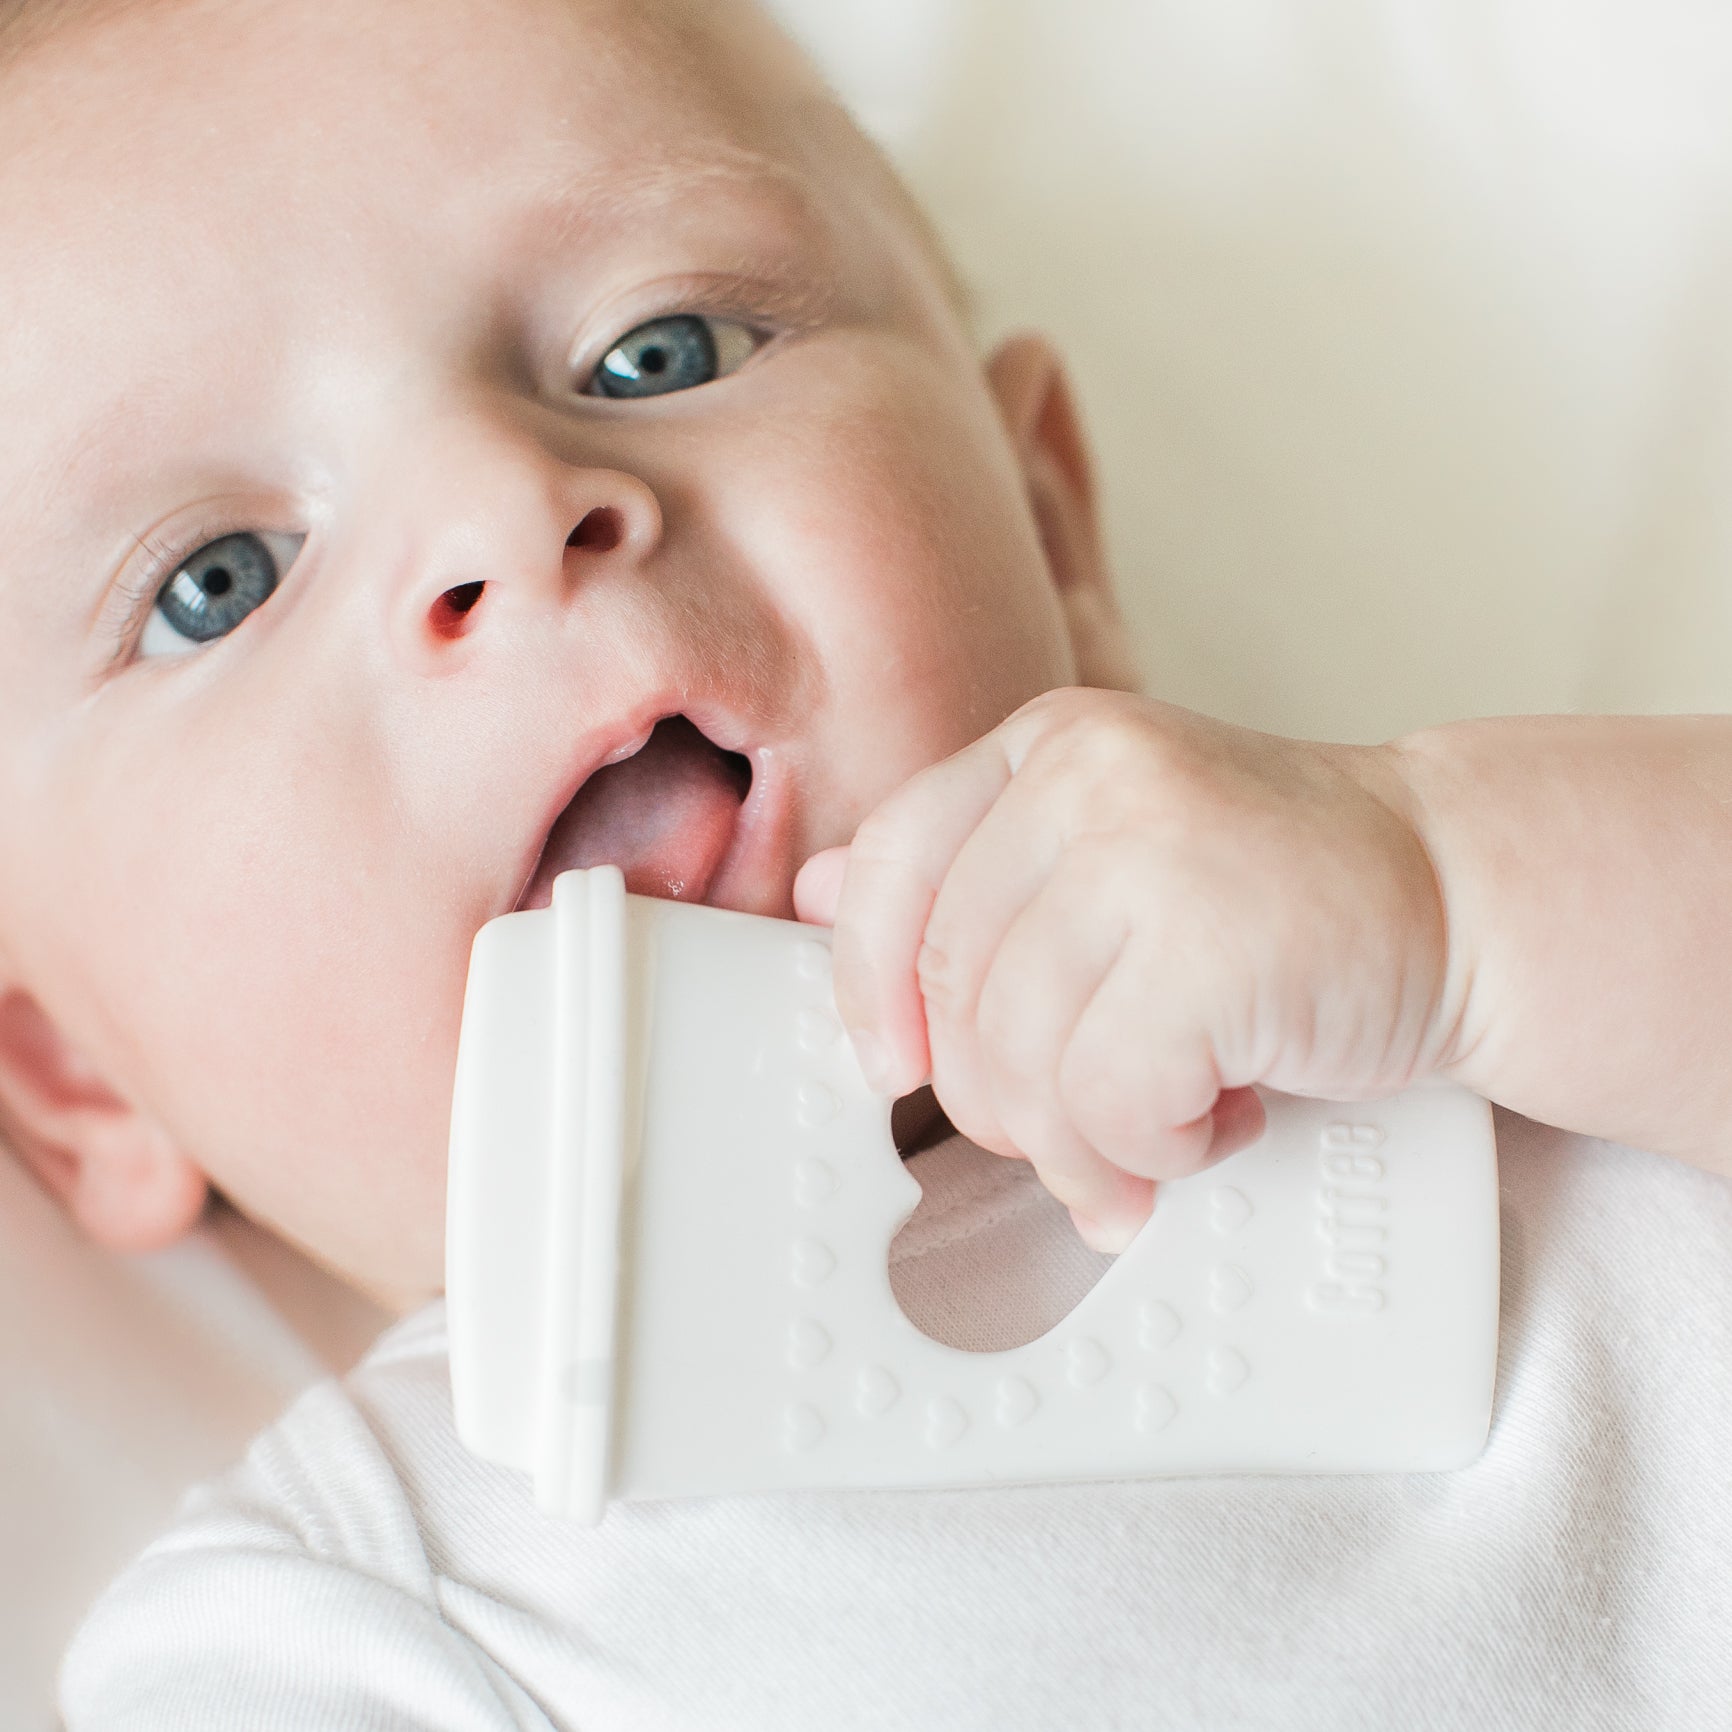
<point>1404,326</point>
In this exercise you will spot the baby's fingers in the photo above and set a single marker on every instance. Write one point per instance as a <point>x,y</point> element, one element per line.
<point>899,859</point>
<point>818,887</point>
<point>1140,1077</point>
<point>1096,1060</point>
<point>1041,976</point>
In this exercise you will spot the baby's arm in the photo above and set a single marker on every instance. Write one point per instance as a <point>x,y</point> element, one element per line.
<point>1585,863</point>
<point>1098,926</point>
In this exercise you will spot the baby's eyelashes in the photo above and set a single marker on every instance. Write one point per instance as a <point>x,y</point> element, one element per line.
<point>215,589</point>
<point>676,353</point>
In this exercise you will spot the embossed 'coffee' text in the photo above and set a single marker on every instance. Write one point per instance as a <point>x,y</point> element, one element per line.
<point>1352,1221</point>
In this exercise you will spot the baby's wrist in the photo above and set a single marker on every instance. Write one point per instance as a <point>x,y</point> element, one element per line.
<point>1414,778</point>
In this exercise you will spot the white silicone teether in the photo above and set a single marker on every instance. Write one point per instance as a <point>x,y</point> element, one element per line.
<point>672,1198</point>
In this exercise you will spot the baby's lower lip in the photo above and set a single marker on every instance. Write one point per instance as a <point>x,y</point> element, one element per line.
<point>666,816</point>
<point>756,875</point>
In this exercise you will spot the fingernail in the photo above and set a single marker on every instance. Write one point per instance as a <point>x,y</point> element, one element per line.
<point>874,1061</point>
<point>1101,1236</point>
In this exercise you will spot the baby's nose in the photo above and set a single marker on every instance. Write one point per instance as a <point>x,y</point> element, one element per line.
<point>500,531</point>
<point>603,529</point>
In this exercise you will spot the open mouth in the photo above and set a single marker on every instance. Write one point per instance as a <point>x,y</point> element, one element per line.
<point>666,816</point>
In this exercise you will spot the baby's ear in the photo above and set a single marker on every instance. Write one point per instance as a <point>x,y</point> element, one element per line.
<point>1028,379</point>
<point>120,1176</point>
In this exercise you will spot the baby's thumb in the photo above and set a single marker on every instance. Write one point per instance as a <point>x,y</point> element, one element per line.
<point>818,887</point>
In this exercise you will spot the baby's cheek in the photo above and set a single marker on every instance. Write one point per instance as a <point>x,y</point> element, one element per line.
<point>908,555</point>
<point>338,1131</point>
<point>282,997</point>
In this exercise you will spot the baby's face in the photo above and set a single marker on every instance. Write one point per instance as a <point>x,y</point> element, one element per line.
<point>403,409</point>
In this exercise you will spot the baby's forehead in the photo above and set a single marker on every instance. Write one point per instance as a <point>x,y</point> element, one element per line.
<point>693,62</point>
<point>223,122</point>
<point>175,174</point>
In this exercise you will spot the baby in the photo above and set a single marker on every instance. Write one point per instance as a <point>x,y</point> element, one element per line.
<point>445,442</point>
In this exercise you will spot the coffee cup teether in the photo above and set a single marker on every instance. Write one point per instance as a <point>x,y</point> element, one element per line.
<point>672,1197</point>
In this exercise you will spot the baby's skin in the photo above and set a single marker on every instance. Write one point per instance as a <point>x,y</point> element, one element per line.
<point>1097,927</point>
<point>406,407</point>
<point>522,373</point>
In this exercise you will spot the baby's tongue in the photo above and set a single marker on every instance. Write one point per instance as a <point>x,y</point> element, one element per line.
<point>665,817</point>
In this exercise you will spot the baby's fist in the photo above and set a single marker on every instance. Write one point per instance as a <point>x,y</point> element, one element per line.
<point>1097,927</point>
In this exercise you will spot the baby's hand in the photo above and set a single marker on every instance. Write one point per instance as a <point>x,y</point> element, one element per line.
<point>1096,927</point>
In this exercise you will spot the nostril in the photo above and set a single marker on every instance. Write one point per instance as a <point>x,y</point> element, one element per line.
<point>450,617</point>
<point>601,531</point>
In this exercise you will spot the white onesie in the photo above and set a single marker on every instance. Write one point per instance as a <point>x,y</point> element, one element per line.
<point>361,1573</point>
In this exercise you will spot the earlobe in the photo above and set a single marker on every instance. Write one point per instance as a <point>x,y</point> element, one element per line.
<point>1034,397</point>
<point>114,1168</point>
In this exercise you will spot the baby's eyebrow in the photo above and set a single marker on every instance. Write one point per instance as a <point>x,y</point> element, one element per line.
<point>578,194</point>
<point>660,176</point>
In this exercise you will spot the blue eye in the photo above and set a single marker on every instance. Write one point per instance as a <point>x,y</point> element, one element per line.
<point>212,592</point>
<point>672,354</point>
